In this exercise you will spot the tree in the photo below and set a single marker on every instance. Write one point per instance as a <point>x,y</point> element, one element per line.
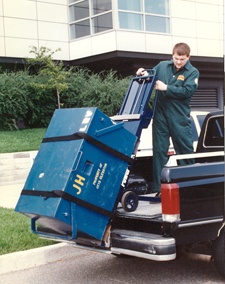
<point>53,71</point>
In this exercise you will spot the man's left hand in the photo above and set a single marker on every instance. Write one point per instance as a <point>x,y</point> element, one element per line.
<point>159,85</point>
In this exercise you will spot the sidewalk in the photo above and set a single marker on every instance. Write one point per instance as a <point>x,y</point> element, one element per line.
<point>35,257</point>
<point>15,167</point>
<point>9,194</point>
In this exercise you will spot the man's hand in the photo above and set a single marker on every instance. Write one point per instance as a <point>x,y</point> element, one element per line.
<point>159,85</point>
<point>142,72</point>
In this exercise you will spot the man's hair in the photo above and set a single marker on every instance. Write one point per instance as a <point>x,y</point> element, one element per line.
<point>181,49</point>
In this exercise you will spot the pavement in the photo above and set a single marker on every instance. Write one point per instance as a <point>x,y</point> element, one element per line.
<point>9,195</point>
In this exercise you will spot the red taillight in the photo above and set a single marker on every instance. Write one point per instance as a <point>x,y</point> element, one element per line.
<point>170,199</point>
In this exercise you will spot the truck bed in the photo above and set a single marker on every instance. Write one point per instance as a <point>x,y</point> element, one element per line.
<point>145,210</point>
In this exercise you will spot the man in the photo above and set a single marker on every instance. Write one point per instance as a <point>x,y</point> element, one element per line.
<point>177,82</point>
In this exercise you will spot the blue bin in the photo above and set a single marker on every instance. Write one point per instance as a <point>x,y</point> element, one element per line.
<point>74,185</point>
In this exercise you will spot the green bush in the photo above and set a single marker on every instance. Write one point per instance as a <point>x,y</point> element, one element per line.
<point>103,90</point>
<point>25,97</point>
<point>106,92</point>
<point>77,81</point>
<point>41,103</point>
<point>13,98</point>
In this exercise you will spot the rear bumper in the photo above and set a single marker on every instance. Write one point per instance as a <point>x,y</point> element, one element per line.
<point>144,245</point>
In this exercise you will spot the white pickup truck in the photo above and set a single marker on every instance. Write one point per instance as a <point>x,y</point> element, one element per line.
<point>145,146</point>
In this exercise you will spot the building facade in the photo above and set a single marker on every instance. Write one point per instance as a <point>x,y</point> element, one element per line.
<point>119,34</point>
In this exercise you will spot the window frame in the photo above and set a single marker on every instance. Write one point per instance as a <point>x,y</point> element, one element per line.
<point>91,18</point>
<point>145,14</point>
<point>114,14</point>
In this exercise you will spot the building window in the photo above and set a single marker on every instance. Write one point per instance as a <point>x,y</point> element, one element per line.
<point>130,21</point>
<point>89,17</point>
<point>146,15</point>
<point>131,5</point>
<point>101,6</point>
<point>101,23</point>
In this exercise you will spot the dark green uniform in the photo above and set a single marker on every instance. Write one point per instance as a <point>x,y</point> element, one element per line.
<point>172,115</point>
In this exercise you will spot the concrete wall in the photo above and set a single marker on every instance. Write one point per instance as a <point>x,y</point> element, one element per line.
<point>27,23</point>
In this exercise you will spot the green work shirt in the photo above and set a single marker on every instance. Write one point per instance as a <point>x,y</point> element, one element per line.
<point>181,85</point>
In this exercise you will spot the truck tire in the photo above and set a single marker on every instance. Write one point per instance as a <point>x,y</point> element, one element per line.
<point>129,201</point>
<point>218,250</point>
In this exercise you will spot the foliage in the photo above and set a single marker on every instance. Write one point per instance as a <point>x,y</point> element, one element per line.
<point>53,71</point>
<point>103,90</point>
<point>31,96</point>
<point>13,98</point>
<point>16,234</point>
<point>42,103</point>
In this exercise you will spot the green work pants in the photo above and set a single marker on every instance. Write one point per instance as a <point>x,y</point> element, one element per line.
<point>164,127</point>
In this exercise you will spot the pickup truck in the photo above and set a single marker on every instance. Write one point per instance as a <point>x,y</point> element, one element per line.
<point>80,188</point>
<point>192,204</point>
<point>190,212</point>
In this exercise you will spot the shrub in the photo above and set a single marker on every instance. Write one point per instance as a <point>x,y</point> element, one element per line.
<point>13,98</point>
<point>104,90</point>
<point>41,103</point>
<point>25,97</point>
<point>53,71</point>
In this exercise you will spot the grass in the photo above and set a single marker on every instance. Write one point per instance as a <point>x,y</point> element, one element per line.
<point>21,140</point>
<point>16,234</point>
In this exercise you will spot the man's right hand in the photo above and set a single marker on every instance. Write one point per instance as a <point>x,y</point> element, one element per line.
<point>142,72</point>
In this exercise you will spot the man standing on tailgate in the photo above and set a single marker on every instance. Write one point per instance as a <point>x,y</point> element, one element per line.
<point>177,82</point>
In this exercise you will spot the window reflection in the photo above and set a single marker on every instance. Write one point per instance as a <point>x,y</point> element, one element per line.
<point>131,5</point>
<point>80,29</point>
<point>102,23</point>
<point>100,6</point>
<point>130,21</point>
<point>157,24</point>
<point>79,11</point>
<point>160,7</point>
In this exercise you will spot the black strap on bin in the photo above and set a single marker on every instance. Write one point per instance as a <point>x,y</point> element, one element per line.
<point>91,140</point>
<point>69,197</point>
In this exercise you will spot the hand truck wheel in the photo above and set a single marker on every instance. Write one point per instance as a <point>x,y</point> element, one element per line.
<point>129,201</point>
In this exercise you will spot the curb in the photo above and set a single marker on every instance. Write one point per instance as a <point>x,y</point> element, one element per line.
<point>34,257</point>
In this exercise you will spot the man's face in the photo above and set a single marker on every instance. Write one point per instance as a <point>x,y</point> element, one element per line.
<point>180,60</point>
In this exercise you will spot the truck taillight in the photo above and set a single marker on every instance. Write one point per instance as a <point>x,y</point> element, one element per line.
<point>170,199</point>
